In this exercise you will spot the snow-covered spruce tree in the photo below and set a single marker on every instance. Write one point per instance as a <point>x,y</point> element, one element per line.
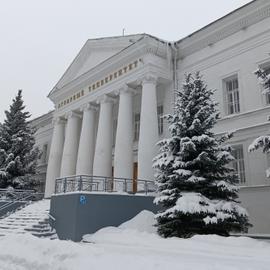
<point>262,141</point>
<point>197,194</point>
<point>18,156</point>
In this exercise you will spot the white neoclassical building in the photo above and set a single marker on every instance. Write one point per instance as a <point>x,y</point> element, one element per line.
<point>108,105</point>
<point>109,101</point>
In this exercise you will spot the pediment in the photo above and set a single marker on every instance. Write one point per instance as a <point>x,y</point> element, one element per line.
<point>94,52</point>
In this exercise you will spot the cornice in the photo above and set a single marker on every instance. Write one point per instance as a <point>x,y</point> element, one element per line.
<point>224,27</point>
<point>227,53</point>
<point>246,114</point>
<point>43,120</point>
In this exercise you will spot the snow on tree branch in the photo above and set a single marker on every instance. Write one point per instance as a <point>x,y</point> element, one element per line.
<point>196,186</point>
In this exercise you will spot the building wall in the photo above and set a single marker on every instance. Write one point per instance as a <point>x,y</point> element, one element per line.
<point>239,54</point>
<point>43,137</point>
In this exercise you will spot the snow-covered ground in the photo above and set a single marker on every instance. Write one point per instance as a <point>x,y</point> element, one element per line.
<point>134,245</point>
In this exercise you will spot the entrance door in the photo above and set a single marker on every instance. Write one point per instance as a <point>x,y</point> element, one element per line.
<point>135,176</point>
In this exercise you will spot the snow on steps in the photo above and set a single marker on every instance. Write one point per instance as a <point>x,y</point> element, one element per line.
<point>30,219</point>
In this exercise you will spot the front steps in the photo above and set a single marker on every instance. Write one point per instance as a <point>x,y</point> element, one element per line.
<point>30,219</point>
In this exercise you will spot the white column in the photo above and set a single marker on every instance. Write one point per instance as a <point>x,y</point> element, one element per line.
<point>103,152</point>
<point>70,151</point>
<point>147,148</point>
<point>55,157</point>
<point>123,157</point>
<point>87,142</point>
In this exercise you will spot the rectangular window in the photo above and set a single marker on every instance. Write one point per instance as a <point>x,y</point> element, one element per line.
<point>239,164</point>
<point>160,119</point>
<point>232,95</point>
<point>136,126</point>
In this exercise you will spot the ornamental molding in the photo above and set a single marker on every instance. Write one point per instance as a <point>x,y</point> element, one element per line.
<point>224,27</point>
<point>58,121</point>
<point>88,107</point>
<point>149,79</point>
<point>95,85</point>
<point>105,99</point>
<point>125,90</point>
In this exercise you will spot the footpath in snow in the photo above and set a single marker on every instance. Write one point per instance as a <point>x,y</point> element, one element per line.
<point>134,245</point>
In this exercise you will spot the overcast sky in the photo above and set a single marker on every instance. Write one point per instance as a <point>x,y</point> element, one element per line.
<point>39,38</point>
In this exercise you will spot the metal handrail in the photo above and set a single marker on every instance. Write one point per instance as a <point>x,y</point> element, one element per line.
<point>101,183</point>
<point>51,217</point>
<point>14,202</point>
<point>25,196</point>
<point>8,193</point>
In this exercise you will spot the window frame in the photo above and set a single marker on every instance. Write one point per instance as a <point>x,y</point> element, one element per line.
<point>239,164</point>
<point>235,103</point>
<point>160,114</point>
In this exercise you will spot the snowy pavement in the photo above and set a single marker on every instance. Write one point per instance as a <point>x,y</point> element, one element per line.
<point>134,245</point>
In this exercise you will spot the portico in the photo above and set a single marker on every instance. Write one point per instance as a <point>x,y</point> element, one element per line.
<point>87,142</point>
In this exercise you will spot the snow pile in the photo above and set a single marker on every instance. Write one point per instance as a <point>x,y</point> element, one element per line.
<point>135,228</point>
<point>143,222</point>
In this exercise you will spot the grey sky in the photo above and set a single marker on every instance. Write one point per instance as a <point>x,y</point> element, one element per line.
<point>39,39</point>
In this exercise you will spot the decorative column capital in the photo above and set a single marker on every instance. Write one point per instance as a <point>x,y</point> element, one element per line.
<point>88,107</point>
<point>73,114</point>
<point>125,89</point>
<point>105,99</point>
<point>58,121</point>
<point>149,78</point>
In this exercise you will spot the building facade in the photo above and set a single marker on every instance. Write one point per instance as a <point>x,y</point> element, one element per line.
<point>109,102</point>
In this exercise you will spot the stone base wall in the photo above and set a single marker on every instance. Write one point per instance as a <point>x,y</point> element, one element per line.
<point>78,214</point>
